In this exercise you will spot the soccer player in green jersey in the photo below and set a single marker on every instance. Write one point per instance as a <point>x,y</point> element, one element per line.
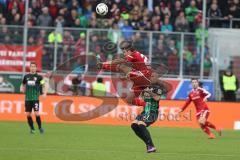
<point>33,86</point>
<point>151,97</point>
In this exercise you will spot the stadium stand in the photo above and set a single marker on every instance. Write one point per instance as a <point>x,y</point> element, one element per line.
<point>131,17</point>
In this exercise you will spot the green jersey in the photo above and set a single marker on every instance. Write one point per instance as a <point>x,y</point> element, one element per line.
<point>151,103</point>
<point>33,83</point>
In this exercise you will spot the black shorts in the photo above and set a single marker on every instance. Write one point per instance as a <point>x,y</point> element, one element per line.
<point>148,118</point>
<point>32,105</point>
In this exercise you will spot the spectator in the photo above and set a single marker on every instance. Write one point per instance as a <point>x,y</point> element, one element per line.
<point>166,27</point>
<point>78,86</point>
<point>214,12</point>
<point>233,12</point>
<point>3,21</point>
<point>41,39</point>
<point>160,54</point>
<point>55,36</point>
<point>198,35</point>
<point>188,59</point>
<point>53,9</point>
<point>71,17</point>
<point>44,19</point>
<point>139,43</point>
<point>181,23</point>
<point>176,11</point>
<point>80,46</point>
<point>16,20</point>
<point>99,88</point>
<point>10,16</point>
<point>113,34</point>
<point>31,41</point>
<point>4,32</point>
<point>191,12</point>
<point>171,46</point>
<point>68,39</point>
<point>229,85</point>
<point>36,10</point>
<point>173,62</point>
<point>47,60</point>
<point>127,30</point>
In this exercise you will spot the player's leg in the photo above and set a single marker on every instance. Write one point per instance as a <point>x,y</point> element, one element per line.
<point>211,125</point>
<point>147,136</point>
<point>37,115</point>
<point>202,119</point>
<point>28,110</point>
<point>137,130</point>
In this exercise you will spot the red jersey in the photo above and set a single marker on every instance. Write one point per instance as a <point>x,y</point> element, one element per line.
<point>138,60</point>
<point>198,96</point>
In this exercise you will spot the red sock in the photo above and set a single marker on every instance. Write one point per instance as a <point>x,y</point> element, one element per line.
<point>209,124</point>
<point>138,102</point>
<point>205,129</point>
<point>110,67</point>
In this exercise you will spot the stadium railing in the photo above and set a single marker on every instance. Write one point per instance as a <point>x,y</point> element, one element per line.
<point>180,52</point>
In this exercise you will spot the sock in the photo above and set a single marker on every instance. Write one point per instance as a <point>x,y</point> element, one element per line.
<point>146,134</point>
<point>110,67</point>
<point>209,124</point>
<point>38,119</point>
<point>137,131</point>
<point>138,102</point>
<point>205,129</point>
<point>30,122</point>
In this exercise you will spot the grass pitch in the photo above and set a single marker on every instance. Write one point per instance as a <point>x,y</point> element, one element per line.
<point>96,142</point>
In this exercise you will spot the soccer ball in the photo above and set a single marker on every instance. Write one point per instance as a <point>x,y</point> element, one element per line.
<point>102,9</point>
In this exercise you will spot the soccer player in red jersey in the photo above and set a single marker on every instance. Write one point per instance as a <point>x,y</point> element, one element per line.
<point>140,73</point>
<point>199,97</point>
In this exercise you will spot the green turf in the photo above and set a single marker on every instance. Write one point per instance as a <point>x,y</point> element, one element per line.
<point>91,142</point>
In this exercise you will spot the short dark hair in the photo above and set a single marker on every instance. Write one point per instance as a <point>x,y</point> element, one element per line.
<point>33,63</point>
<point>99,80</point>
<point>126,45</point>
<point>192,79</point>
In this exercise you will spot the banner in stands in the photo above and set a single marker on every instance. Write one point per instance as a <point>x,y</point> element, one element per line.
<point>223,114</point>
<point>11,57</point>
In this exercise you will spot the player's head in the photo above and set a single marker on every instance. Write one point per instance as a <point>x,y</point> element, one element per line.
<point>126,47</point>
<point>33,67</point>
<point>195,83</point>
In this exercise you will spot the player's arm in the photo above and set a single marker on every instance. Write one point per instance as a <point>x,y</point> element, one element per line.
<point>23,85</point>
<point>22,88</point>
<point>205,94</point>
<point>188,101</point>
<point>116,61</point>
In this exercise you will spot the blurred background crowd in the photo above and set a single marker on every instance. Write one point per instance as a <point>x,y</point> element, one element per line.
<point>131,17</point>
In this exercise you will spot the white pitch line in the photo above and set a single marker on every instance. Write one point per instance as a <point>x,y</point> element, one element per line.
<point>93,150</point>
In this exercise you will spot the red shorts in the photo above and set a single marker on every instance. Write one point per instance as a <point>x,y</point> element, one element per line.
<point>203,113</point>
<point>141,80</point>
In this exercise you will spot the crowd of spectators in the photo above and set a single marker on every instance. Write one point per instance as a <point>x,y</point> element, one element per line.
<point>159,15</point>
<point>124,15</point>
